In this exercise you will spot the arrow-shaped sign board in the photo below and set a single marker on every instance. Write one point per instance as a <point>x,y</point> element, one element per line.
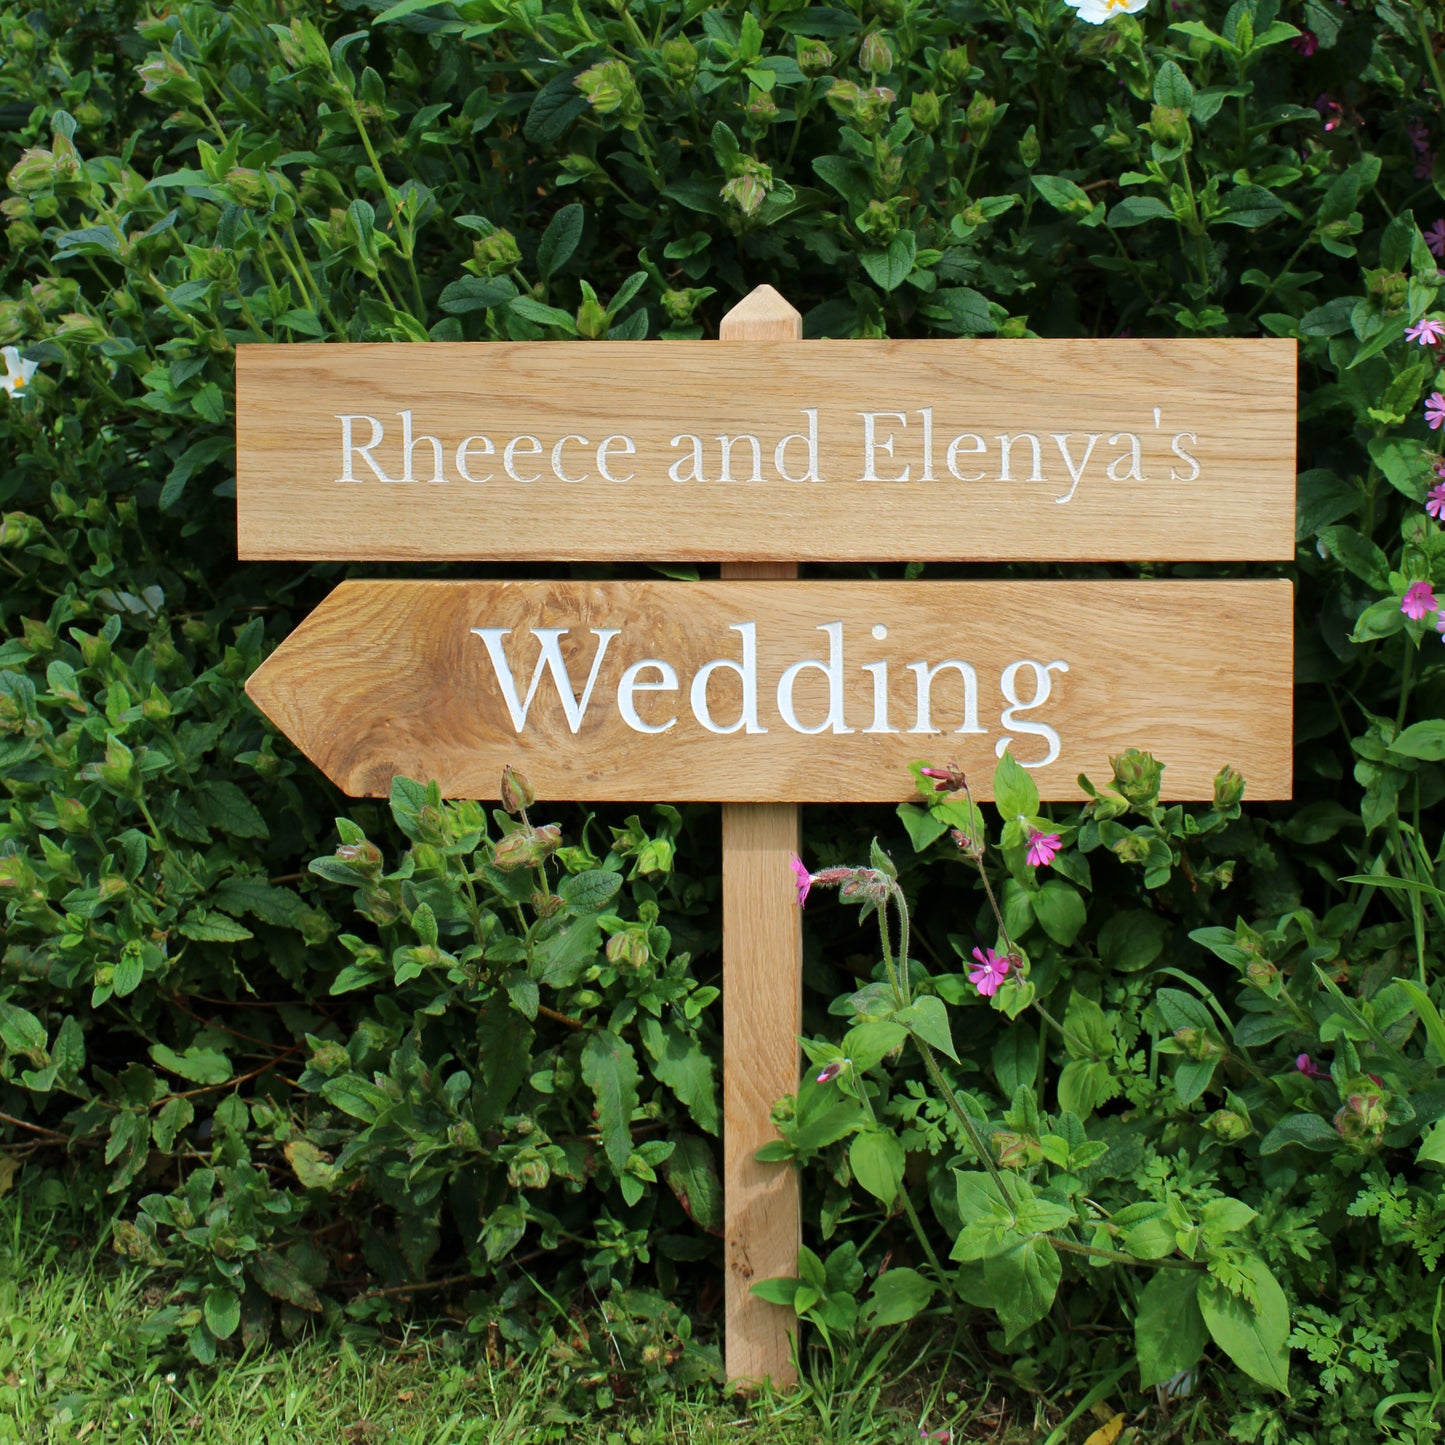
<point>784,691</point>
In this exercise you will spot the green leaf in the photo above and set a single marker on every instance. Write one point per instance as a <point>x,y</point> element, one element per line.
<point>1022,1282</point>
<point>1015,794</point>
<point>610,1069</point>
<point>1063,195</point>
<point>877,1161</point>
<point>870,1042</point>
<point>200,1066</point>
<point>1171,87</point>
<point>1136,210</point>
<point>559,240</point>
<point>1309,1131</point>
<point>1424,1005</point>
<point>23,1033</point>
<point>890,269</point>
<point>1250,206</point>
<point>280,1277</point>
<point>476,293</point>
<point>1423,740</point>
<point>1059,909</point>
<point>1358,554</point>
<point>223,1312</point>
<point>896,1298</point>
<point>1169,1330</point>
<point>223,805</point>
<point>198,455</point>
<point>1083,1085</point>
<point>691,1174</point>
<point>205,927</point>
<point>927,1017</point>
<point>680,1061</point>
<point>923,826</point>
<point>356,1096</point>
<point>590,891</point>
<point>1254,1338</point>
<point>1132,940</point>
<point>564,956</point>
<point>313,1169</point>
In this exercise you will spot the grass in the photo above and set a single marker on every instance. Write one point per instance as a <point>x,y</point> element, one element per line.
<point>78,1364</point>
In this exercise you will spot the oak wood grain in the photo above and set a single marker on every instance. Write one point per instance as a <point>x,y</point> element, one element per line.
<point>762,945</point>
<point>1228,403</point>
<point>388,677</point>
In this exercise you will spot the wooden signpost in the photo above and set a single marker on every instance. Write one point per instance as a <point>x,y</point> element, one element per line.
<point>758,690</point>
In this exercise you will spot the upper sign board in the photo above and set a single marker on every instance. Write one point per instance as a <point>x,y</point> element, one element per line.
<point>931,450</point>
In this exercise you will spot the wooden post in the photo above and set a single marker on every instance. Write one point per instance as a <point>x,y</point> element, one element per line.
<point>762,1008</point>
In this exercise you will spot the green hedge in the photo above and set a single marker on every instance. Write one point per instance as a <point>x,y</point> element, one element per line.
<point>458,1044</point>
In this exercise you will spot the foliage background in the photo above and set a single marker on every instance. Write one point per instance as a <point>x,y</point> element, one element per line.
<point>299,1085</point>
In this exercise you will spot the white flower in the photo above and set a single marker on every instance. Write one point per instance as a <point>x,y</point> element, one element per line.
<point>1096,12</point>
<point>18,371</point>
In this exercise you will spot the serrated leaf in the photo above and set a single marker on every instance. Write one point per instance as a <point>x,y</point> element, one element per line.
<point>313,1169</point>
<point>560,240</point>
<point>590,891</point>
<point>279,1276</point>
<point>206,927</point>
<point>609,1068</point>
<point>890,269</point>
<point>691,1174</point>
<point>223,805</point>
<point>678,1059</point>
<point>200,1066</point>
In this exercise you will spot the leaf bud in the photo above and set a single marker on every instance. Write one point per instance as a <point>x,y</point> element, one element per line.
<point>843,96</point>
<point>875,55</point>
<point>814,57</point>
<point>1029,148</point>
<point>38,636</point>
<point>1016,1151</point>
<point>926,110</point>
<point>955,65</point>
<point>463,1135</point>
<point>761,109</point>
<point>1169,125</point>
<point>34,171</point>
<point>611,90</point>
<point>872,111</point>
<point>1137,776</point>
<point>1229,1125</point>
<point>628,949</point>
<point>591,318</point>
<point>747,192</point>
<point>19,529</point>
<point>71,815</point>
<point>302,46</point>
<point>1228,789</point>
<point>517,794</point>
<point>679,59</point>
<point>1391,287</point>
<point>363,858</point>
<point>654,859</point>
<point>166,77</point>
<point>495,253</point>
<point>980,112</point>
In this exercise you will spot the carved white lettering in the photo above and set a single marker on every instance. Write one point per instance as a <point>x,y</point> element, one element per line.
<point>549,659</point>
<point>627,448</point>
<point>631,684</point>
<point>350,451</point>
<point>1043,686</point>
<point>925,675</point>
<point>747,670</point>
<point>486,448</point>
<point>809,440</point>
<point>956,446</point>
<point>872,444</point>
<point>1061,440</point>
<point>832,670</point>
<point>532,448</point>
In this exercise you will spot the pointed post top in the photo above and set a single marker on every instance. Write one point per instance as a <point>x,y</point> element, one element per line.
<point>762,315</point>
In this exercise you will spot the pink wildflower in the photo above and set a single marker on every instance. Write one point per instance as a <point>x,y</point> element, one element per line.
<point>1331,111</point>
<point>945,780</point>
<point>1435,502</point>
<point>1435,410</point>
<point>1428,332</point>
<point>830,1071</point>
<point>1435,238</point>
<point>1305,43</point>
<point>1307,1066</point>
<point>991,971</point>
<point>1419,600</point>
<point>802,879</point>
<point>1042,847</point>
